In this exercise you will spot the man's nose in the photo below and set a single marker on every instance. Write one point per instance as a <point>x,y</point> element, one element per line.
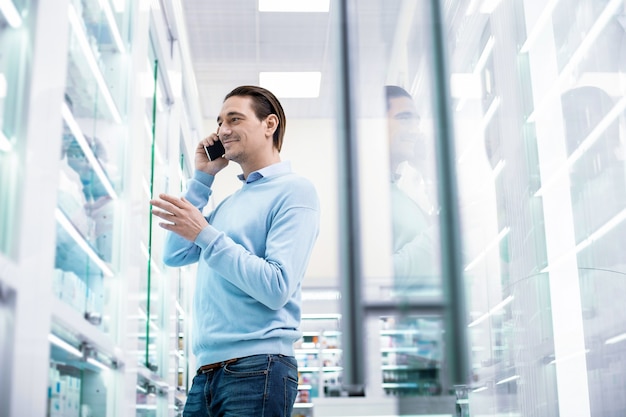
<point>223,131</point>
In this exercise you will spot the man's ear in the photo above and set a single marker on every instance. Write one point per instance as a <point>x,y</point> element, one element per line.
<point>272,124</point>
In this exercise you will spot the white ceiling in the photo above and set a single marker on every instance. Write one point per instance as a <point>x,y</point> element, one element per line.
<point>231,42</point>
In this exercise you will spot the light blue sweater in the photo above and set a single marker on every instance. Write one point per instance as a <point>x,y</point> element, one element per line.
<point>251,262</point>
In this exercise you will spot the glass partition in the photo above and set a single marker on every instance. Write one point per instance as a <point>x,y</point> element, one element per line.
<point>537,98</point>
<point>395,122</point>
<point>394,113</point>
<point>538,95</point>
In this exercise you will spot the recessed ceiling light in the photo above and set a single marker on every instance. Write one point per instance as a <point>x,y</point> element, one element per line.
<point>294,6</point>
<point>292,84</point>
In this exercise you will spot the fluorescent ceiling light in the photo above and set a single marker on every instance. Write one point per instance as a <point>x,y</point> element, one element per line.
<point>294,6</point>
<point>292,84</point>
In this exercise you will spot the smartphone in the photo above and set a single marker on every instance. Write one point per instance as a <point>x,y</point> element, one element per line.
<point>215,151</point>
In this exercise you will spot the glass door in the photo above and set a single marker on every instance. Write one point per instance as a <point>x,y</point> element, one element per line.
<point>86,265</point>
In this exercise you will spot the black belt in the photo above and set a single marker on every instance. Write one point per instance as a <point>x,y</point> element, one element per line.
<point>206,368</point>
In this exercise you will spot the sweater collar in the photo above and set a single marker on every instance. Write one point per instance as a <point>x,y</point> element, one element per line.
<point>278,168</point>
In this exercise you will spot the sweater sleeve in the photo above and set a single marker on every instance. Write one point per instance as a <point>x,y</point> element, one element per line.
<point>179,251</point>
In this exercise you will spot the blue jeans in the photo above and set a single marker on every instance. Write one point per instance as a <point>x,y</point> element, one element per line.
<point>259,386</point>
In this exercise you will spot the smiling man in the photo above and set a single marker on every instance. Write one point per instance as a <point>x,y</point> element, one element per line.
<point>252,252</point>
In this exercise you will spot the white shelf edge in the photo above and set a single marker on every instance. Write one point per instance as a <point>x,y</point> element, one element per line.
<point>147,374</point>
<point>71,320</point>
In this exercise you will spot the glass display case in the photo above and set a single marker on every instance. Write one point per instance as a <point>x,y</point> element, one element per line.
<point>110,318</point>
<point>80,377</point>
<point>91,161</point>
<point>86,266</point>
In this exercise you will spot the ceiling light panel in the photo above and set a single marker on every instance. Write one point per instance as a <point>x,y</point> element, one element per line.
<point>294,6</point>
<point>292,84</point>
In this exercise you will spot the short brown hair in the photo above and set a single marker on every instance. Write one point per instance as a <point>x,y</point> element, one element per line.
<point>264,103</point>
<point>394,91</point>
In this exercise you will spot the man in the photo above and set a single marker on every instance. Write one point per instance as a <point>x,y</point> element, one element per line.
<point>414,227</point>
<point>252,253</point>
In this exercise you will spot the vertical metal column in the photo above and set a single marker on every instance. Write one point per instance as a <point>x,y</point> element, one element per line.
<point>455,314</point>
<point>349,217</point>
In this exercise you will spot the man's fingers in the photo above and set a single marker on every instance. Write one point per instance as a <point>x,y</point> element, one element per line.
<point>166,226</point>
<point>171,199</point>
<point>163,214</point>
<point>168,203</point>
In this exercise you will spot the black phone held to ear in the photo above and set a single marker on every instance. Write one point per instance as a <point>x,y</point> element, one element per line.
<point>215,151</point>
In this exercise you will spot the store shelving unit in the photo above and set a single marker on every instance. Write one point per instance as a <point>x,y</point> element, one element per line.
<point>410,355</point>
<point>319,356</point>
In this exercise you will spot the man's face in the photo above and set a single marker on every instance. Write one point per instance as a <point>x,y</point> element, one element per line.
<point>403,129</point>
<point>241,132</point>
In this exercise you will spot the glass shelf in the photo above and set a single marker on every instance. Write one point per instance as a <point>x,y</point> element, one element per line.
<point>95,46</point>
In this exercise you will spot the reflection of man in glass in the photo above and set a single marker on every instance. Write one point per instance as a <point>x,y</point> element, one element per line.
<point>414,256</point>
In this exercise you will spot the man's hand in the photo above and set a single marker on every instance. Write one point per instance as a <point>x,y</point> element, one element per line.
<point>181,216</point>
<point>202,160</point>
